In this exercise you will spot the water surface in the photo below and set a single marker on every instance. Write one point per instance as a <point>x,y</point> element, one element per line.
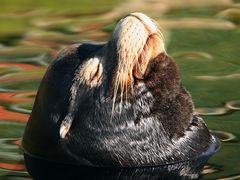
<point>202,36</point>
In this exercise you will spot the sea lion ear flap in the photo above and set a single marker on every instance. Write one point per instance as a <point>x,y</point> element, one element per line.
<point>91,72</point>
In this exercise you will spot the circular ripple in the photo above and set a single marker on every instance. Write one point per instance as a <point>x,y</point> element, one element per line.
<point>212,111</point>
<point>209,169</point>
<point>230,177</point>
<point>223,136</point>
<point>194,55</point>
<point>234,105</point>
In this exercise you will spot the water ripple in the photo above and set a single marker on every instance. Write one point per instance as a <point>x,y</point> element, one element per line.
<point>220,77</point>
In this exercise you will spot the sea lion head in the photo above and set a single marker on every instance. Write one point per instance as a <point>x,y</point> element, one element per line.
<point>135,41</point>
<point>120,103</point>
<point>133,61</point>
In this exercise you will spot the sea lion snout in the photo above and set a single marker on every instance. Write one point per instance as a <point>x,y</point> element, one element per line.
<point>138,40</point>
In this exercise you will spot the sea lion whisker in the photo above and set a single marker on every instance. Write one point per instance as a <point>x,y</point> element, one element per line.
<point>115,95</point>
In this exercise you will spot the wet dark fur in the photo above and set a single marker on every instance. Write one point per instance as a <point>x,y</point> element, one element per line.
<point>156,126</point>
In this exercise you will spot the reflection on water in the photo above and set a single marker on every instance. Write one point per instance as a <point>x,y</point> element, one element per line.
<point>42,169</point>
<point>202,36</point>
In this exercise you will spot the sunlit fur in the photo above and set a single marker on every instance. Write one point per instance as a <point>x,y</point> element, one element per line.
<point>138,41</point>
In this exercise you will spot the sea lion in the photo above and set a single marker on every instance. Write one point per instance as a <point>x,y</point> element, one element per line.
<point>118,104</point>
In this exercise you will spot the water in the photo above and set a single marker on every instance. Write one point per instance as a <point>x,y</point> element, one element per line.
<point>202,36</point>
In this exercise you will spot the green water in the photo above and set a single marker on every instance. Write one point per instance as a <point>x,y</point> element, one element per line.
<point>202,36</point>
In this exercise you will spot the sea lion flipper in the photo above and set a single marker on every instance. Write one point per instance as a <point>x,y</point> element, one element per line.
<point>65,126</point>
